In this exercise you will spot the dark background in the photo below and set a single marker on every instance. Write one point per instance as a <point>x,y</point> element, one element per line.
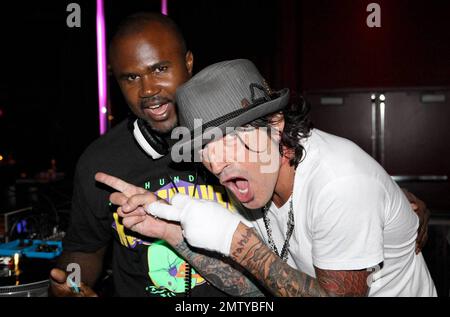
<point>48,81</point>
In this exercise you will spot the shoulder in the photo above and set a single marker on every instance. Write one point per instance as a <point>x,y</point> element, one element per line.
<point>115,153</point>
<point>336,172</point>
<point>340,153</point>
<point>330,158</point>
<point>117,140</point>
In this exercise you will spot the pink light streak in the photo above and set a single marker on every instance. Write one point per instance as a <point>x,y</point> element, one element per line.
<point>101,67</point>
<point>164,7</point>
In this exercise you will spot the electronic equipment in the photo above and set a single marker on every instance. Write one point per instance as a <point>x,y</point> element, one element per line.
<point>21,276</point>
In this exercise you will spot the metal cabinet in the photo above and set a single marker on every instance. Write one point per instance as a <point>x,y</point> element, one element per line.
<point>407,130</point>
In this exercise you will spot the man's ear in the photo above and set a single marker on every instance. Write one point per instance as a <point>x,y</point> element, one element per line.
<point>189,60</point>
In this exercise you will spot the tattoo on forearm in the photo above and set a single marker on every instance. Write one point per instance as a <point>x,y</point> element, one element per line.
<point>218,272</point>
<point>283,280</point>
<point>344,283</point>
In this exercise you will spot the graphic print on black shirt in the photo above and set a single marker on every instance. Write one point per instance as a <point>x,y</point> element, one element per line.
<point>140,266</point>
<point>166,270</point>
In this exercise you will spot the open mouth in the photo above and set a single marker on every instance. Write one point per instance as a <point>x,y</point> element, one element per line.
<point>240,187</point>
<point>158,110</point>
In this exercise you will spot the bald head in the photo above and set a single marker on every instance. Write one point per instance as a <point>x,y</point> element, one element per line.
<point>138,22</point>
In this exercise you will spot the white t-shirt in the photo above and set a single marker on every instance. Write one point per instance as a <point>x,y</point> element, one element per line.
<point>350,215</point>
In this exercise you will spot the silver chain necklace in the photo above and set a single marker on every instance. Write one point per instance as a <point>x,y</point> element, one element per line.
<point>290,229</point>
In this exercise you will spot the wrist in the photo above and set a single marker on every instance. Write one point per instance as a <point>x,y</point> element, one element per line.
<point>244,239</point>
<point>173,235</point>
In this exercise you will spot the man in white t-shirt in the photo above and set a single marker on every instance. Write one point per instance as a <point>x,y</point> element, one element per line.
<point>350,216</point>
<point>320,217</point>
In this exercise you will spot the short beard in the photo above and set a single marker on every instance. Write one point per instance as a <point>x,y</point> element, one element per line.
<point>162,130</point>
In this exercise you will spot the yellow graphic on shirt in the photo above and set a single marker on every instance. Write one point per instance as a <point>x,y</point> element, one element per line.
<point>126,240</point>
<point>166,269</point>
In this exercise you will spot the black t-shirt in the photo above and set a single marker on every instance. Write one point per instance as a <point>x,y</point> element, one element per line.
<point>141,266</point>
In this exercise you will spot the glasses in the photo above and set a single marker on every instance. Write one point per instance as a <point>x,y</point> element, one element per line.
<point>254,139</point>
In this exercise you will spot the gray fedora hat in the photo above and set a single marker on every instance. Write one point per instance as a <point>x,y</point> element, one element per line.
<point>226,94</point>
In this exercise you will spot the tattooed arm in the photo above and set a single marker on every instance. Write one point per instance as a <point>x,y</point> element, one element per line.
<point>280,279</point>
<point>218,272</point>
<point>132,199</point>
<point>247,250</point>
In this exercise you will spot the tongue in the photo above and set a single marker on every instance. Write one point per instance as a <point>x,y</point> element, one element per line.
<point>160,110</point>
<point>242,184</point>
